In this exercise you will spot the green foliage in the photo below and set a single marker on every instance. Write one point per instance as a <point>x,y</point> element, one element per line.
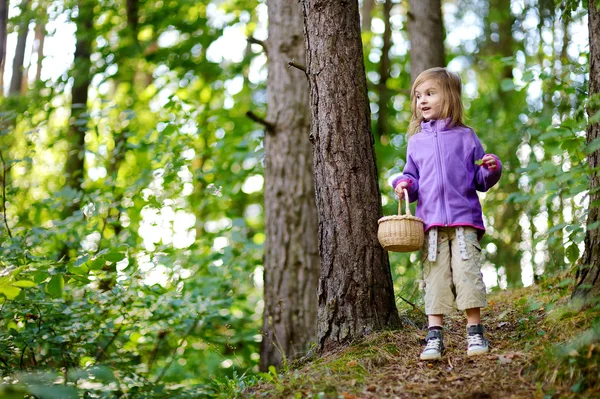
<point>146,281</point>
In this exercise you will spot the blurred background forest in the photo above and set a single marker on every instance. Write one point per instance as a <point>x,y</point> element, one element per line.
<point>132,231</point>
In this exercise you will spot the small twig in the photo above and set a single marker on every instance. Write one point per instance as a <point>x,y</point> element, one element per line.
<point>261,43</point>
<point>4,194</point>
<point>294,64</point>
<point>269,125</point>
<point>160,337</point>
<point>411,304</point>
<point>101,351</point>
<point>22,355</point>
<point>187,333</point>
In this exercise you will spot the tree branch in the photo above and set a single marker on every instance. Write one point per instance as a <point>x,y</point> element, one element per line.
<point>294,64</point>
<point>261,43</point>
<point>269,125</point>
<point>412,304</point>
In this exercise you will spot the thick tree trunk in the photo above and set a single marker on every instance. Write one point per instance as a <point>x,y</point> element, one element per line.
<point>291,247</point>
<point>355,290</point>
<point>16,81</point>
<point>588,273</point>
<point>82,78</point>
<point>426,33</point>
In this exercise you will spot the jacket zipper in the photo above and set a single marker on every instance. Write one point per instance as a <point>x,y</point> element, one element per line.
<point>437,147</point>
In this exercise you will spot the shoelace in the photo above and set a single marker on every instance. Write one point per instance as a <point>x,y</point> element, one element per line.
<point>433,344</point>
<point>475,339</point>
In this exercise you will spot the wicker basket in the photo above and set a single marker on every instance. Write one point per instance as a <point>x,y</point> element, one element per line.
<point>401,233</point>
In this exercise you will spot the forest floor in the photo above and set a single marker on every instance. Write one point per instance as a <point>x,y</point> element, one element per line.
<point>542,346</point>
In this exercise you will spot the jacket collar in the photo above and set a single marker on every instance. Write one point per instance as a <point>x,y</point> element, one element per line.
<point>435,125</point>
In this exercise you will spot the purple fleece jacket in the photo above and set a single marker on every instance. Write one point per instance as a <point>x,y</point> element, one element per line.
<point>442,174</point>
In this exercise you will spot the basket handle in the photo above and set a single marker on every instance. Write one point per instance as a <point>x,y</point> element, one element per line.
<point>400,204</point>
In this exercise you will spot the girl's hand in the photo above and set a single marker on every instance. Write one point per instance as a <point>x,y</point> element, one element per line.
<point>489,162</point>
<point>400,189</point>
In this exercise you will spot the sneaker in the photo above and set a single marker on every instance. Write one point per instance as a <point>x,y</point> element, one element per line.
<point>477,343</point>
<point>435,345</point>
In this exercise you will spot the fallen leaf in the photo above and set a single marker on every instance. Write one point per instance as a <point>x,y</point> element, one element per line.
<point>504,323</point>
<point>504,360</point>
<point>349,396</point>
<point>352,363</point>
<point>371,388</point>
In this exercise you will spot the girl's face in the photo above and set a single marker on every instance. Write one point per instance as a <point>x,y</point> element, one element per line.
<point>429,99</point>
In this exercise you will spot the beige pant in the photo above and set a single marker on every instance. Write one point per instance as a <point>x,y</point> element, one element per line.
<point>450,278</point>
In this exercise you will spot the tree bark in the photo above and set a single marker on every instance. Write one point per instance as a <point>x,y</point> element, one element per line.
<point>355,292</point>
<point>16,81</point>
<point>82,78</point>
<point>40,37</point>
<point>588,272</point>
<point>384,71</point>
<point>3,25</point>
<point>367,14</point>
<point>426,33</point>
<point>291,266</point>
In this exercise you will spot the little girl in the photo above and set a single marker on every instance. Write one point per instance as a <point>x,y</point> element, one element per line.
<point>445,167</point>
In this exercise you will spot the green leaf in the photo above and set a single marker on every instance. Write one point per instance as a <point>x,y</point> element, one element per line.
<point>593,226</point>
<point>9,291</point>
<point>114,257</point>
<point>594,145</point>
<point>507,85</point>
<point>55,286</point>
<point>24,284</point>
<point>572,253</point>
<point>40,277</point>
<point>535,305</point>
<point>97,264</point>
<point>103,374</point>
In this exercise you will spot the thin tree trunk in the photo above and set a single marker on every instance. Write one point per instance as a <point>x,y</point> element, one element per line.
<point>367,14</point>
<point>3,35</point>
<point>355,293</point>
<point>384,71</point>
<point>588,272</point>
<point>426,33</point>
<point>291,248</point>
<point>16,81</point>
<point>82,78</point>
<point>40,37</point>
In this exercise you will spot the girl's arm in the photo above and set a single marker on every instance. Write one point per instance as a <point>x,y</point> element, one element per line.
<point>488,173</point>
<point>411,176</point>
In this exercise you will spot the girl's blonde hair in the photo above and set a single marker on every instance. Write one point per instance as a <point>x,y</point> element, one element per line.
<point>451,96</point>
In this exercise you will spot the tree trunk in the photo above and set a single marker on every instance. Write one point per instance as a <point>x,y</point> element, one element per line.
<point>588,281</point>
<point>291,247</point>
<point>384,71</point>
<point>367,14</point>
<point>40,37</point>
<point>3,24</point>
<point>426,33</point>
<point>16,81</point>
<point>355,293</point>
<point>81,81</point>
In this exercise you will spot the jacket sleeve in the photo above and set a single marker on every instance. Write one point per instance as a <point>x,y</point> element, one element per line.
<point>485,178</point>
<point>410,175</point>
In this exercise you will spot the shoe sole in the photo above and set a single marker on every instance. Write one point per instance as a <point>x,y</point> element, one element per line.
<point>431,357</point>
<point>477,352</point>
